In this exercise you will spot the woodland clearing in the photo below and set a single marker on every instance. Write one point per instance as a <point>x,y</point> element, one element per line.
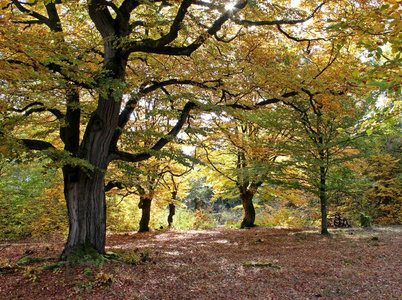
<point>256,263</point>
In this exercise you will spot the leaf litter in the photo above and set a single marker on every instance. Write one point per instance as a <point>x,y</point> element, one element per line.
<point>257,263</point>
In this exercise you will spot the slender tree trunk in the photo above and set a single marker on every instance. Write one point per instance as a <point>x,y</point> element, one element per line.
<point>172,211</point>
<point>249,210</point>
<point>323,201</point>
<point>145,206</point>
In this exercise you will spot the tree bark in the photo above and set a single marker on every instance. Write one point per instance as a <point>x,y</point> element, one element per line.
<point>86,211</point>
<point>84,186</point>
<point>323,202</point>
<point>145,206</point>
<point>249,210</point>
<point>172,211</point>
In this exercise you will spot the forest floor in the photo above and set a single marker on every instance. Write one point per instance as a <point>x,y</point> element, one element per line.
<point>257,263</point>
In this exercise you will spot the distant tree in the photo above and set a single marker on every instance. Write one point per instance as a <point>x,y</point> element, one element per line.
<point>238,158</point>
<point>199,195</point>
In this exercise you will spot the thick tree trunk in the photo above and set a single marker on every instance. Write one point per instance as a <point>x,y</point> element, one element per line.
<point>172,211</point>
<point>86,210</point>
<point>249,210</point>
<point>145,206</point>
<point>84,186</point>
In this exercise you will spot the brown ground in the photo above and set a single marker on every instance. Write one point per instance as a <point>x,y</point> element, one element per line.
<point>216,264</point>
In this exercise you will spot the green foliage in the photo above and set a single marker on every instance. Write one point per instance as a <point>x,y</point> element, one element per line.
<point>122,214</point>
<point>184,219</point>
<point>27,259</point>
<point>230,218</point>
<point>203,219</point>
<point>31,200</point>
<point>365,221</point>
<point>200,193</point>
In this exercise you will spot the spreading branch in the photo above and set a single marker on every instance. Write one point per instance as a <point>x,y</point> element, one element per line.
<point>30,109</point>
<point>278,22</point>
<point>160,46</point>
<point>125,156</point>
<point>114,184</point>
<point>37,144</point>
<point>295,38</point>
<point>132,103</point>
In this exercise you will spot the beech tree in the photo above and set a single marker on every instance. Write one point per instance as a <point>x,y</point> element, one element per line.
<point>87,65</point>
<point>78,58</point>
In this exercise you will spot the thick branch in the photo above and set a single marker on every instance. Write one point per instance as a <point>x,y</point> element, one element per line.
<point>29,110</point>
<point>52,21</point>
<point>114,184</point>
<point>23,9</point>
<point>37,144</point>
<point>101,17</point>
<point>155,46</point>
<point>120,155</point>
<point>176,26</point>
<point>262,103</point>
<point>130,105</point>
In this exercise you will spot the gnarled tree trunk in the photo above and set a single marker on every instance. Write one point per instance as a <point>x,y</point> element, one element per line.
<point>84,186</point>
<point>87,213</point>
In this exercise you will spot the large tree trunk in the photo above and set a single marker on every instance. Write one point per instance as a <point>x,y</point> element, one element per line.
<point>84,186</point>
<point>249,210</point>
<point>145,206</point>
<point>86,211</point>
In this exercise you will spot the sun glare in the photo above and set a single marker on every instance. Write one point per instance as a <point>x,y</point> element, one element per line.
<point>230,6</point>
<point>294,3</point>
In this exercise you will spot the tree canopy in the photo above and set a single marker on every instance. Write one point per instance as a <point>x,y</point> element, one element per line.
<point>87,83</point>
